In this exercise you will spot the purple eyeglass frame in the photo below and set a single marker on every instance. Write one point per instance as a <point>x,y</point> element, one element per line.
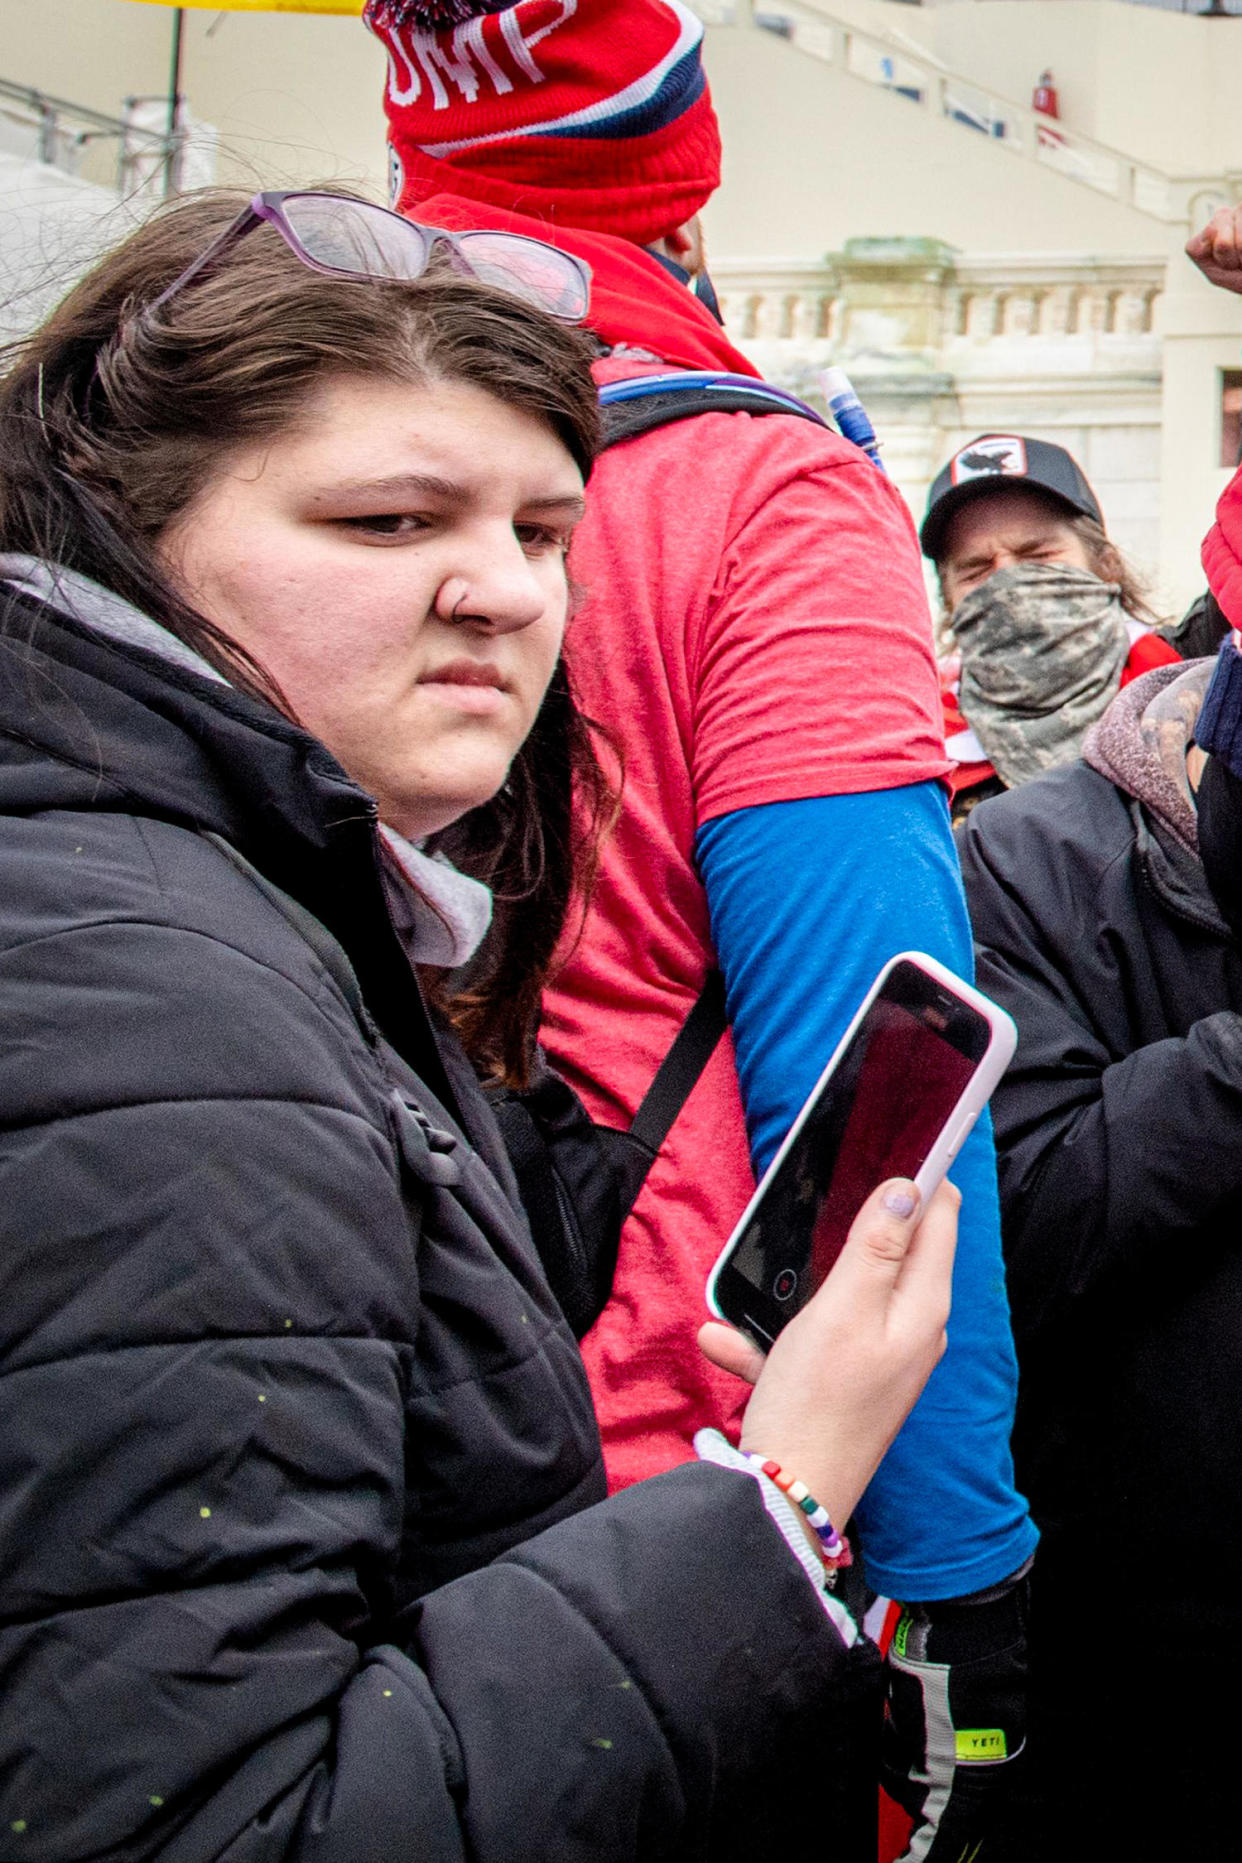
<point>269,208</point>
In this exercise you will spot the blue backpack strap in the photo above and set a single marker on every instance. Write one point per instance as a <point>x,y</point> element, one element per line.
<point>645,402</point>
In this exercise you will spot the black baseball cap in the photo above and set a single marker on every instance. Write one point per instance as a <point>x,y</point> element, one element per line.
<point>996,459</point>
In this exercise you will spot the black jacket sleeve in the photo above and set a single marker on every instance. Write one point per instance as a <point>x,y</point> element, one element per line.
<point>210,1322</point>
<point>1111,1149</point>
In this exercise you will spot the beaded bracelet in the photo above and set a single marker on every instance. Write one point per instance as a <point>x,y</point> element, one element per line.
<point>834,1551</point>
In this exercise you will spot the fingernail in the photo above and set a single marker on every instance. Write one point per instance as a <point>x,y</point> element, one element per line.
<point>901,1202</point>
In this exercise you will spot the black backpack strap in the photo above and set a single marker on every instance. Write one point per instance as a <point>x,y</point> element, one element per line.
<point>625,420</point>
<point>634,1151</point>
<point>680,1069</point>
<point>638,405</point>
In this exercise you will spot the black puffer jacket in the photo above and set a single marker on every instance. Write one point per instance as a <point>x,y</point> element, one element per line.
<point>1119,1133</point>
<point>285,1405</point>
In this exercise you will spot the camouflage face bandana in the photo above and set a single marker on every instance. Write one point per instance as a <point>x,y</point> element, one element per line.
<point>1043,647</point>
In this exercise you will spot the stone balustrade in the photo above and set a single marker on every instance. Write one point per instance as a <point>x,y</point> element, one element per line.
<point>938,296</point>
<point>1097,300</point>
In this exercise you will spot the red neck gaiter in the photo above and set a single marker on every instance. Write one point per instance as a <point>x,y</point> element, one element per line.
<point>633,300</point>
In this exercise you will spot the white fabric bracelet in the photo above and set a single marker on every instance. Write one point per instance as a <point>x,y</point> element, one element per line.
<point>711,1446</point>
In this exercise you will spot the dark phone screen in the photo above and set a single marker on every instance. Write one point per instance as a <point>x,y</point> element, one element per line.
<point>879,1116</point>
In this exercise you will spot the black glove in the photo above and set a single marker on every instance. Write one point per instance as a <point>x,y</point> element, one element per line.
<point>955,1721</point>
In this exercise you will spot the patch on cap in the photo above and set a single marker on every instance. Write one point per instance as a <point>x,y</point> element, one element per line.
<point>998,456</point>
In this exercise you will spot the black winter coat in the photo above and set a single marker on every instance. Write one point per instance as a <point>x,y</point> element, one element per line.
<point>293,1441</point>
<point>1119,1133</point>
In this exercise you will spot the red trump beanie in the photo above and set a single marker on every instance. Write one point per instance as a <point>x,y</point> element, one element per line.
<point>582,113</point>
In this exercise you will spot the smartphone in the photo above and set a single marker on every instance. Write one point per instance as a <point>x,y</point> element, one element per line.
<point>910,1076</point>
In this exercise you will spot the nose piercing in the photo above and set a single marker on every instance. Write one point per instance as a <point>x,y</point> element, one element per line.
<point>458,599</point>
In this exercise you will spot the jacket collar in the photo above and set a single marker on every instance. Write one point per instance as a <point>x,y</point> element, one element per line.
<point>1140,746</point>
<point>1142,740</point>
<point>71,593</point>
<point>177,742</point>
<point>93,720</point>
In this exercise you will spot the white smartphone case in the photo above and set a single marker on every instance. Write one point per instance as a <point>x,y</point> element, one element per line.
<point>1002,1041</point>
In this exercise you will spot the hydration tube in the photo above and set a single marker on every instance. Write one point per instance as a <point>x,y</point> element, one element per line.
<point>846,409</point>
<point>850,415</point>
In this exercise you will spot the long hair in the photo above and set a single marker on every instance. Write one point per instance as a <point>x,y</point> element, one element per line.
<point>1111,566</point>
<point>558,783</point>
<point>113,419</point>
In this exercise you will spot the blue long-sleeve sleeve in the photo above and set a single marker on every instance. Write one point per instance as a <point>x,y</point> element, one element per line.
<point>807,900</point>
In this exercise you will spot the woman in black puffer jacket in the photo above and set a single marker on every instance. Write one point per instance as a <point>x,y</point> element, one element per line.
<point>303,1547</point>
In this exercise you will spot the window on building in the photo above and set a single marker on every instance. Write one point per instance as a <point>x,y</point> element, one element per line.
<point>1231,418</point>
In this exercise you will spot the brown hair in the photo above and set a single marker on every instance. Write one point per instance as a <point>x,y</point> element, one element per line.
<point>1110,566</point>
<point>112,420</point>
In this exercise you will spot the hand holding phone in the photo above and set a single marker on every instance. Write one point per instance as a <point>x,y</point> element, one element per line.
<point>842,1378</point>
<point>908,1080</point>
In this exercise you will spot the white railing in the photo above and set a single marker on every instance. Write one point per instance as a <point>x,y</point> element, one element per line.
<point>890,64</point>
<point>122,153</point>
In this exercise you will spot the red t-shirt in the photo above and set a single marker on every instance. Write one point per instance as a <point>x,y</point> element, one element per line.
<point>754,630</point>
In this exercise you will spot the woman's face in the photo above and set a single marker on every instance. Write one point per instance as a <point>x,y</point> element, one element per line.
<point>397,565</point>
